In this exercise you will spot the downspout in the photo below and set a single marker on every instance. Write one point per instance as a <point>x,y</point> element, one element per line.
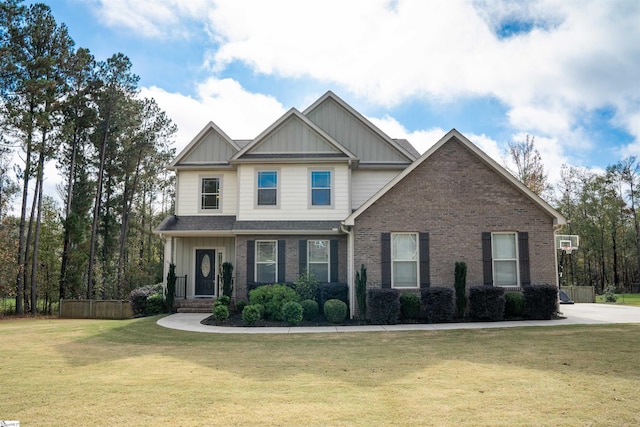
<point>556,230</point>
<point>347,229</point>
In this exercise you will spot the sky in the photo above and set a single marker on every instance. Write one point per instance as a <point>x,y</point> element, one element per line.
<point>565,72</point>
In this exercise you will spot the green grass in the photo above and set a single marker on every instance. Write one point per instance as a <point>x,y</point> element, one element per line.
<point>625,299</point>
<point>135,373</point>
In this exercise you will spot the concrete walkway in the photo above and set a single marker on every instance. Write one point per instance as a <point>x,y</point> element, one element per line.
<point>576,314</point>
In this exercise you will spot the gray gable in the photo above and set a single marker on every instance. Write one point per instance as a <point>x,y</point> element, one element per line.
<point>210,147</point>
<point>294,136</point>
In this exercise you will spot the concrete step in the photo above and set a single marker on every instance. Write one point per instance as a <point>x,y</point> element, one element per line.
<point>194,305</point>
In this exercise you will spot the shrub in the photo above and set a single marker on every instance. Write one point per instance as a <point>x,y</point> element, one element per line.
<point>310,309</point>
<point>292,312</point>
<point>240,305</point>
<point>333,290</point>
<point>220,312</point>
<point>155,304</point>
<point>384,306</point>
<point>486,303</point>
<point>224,300</point>
<point>273,297</point>
<point>335,310</point>
<point>513,304</point>
<point>609,294</point>
<point>170,292</point>
<point>261,310</point>
<point>307,285</point>
<point>227,279</point>
<point>361,291</point>
<point>251,314</point>
<point>438,304</point>
<point>460,286</point>
<point>409,305</point>
<point>138,298</point>
<point>540,301</point>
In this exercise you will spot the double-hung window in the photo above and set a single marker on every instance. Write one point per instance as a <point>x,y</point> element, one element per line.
<point>404,260</point>
<point>504,253</point>
<point>267,188</point>
<point>318,259</point>
<point>266,261</point>
<point>321,186</point>
<point>210,193</point>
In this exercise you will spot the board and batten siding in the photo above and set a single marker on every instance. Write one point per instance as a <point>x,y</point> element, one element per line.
<point>294,193</point>
<point>212,148</point>
<point>366,183</point>
<point>188,192</point>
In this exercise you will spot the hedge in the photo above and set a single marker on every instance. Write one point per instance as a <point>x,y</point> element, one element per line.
<point>383,306</point>
<point>486,303</point>
<point>438,304</point>
<point>540,301</point>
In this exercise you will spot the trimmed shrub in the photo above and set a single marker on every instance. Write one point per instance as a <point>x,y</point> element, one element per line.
<point>155,305</point>
<point>310,309</point>
<point>251,314</point>
<point>273,297</point>
<point>460,286</point>
<point>384,306</point>
<point>307,285</point>
<point>224,300</point>
<point>409,305</point>
<point>138,298</point>
<point>227,279</point>
<point>486,303</point>
<point>438,304</point>
<point>240,305</point>
<point>361,291</point>
<point>220,312</point>
<point>540,301</point>
<point>335,310</point>
<point>513,304</point>
<point>261,310</point>
<point>333,290</point>
<point>255,285</point>
<point>292,312</point>
<point>170,292</point>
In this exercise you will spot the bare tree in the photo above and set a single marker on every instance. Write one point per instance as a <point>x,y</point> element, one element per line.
<point>528,165</point>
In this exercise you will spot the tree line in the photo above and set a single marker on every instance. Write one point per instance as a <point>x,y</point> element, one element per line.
<point>111,147</point>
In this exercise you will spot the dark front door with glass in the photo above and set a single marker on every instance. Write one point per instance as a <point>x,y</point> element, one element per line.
<point>205,273</point>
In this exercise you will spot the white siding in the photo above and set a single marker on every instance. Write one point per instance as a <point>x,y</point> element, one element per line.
<point>188,192</point>
<point>366,183</point>
<point>294,194</point>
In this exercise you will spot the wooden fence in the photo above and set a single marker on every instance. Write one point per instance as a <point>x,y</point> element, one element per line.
<point>90,309</point>
<point>580,293</point>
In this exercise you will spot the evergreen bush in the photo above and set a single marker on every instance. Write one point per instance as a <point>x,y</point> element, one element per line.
<point>335,310</point>
<point>170,292</point>
<point>155,305</point>
<point>384,306</point>
<point>251,314</point>
<point>227,279</point>
<point>292,312</point>
<point>409,305</point>
<point>513,304</point>
<point>240,305</point>
<point>310,309</point>
<point>224,300</point>
<point>361,291</point>
<point>540,301</point>
<point>486,303</point>
<point>220,312</point>
<point>460,286</point>
<point>333,290</point>
<point>273,297</point>
<point>138,298</point>
<point>307,285</point>
<point>438,304</point>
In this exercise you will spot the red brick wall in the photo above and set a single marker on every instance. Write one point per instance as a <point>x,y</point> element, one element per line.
<point>454,196</point>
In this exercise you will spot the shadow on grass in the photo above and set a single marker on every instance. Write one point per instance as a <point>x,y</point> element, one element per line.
<point>564,350</point>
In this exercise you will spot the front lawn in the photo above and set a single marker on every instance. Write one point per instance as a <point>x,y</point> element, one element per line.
<point>133,372</point>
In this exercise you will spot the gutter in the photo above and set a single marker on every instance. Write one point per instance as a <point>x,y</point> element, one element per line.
<point>348,230</point>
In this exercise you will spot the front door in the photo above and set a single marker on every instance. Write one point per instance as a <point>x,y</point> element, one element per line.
<point>205,273</point>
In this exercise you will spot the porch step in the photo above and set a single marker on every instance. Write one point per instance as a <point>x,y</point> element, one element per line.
<point>194,305</point>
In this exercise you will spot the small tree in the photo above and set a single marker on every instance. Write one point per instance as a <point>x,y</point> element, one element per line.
<point>227,279</point>
<point>361,291</point>
<point>460,286</point>
<point>170,292</point>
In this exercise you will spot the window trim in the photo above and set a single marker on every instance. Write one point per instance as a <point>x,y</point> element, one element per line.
<point>256,261</point>
<point>515,260</point>
<point>332,174</point>
<point>201,179</point>
<point>328,262</point>
<point>257,188</point>
<point>393,260</point>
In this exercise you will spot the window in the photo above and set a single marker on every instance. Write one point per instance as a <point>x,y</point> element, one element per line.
<point>210,193</point>
<point>320,188</point>
<point>267,188</point>
<point>266,261</point>
<point>504,252</point>
<point>318,259</point>
<point>404,260</point>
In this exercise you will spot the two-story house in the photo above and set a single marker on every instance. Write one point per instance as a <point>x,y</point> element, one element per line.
<point>324,190</point>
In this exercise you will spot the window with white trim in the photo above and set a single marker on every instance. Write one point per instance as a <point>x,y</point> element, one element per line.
<point>504,253</point>
<point>267,188</point>
<point>318,259</point>
<point>266,261</point>
<point>210,193</point>
<point>321,187</point>
<point>404,260</point>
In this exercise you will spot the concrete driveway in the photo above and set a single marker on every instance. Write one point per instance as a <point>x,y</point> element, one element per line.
<point>575,314</point>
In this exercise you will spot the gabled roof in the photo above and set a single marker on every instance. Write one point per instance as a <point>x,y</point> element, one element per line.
<point>308,141</point>
<point>454,134</point>
<point>404,149</point>
<point>196,153</point>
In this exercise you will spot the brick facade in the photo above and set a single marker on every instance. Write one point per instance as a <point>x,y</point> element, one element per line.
<point>455,196</point>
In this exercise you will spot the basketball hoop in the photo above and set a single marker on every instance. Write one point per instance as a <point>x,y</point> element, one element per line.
<point>567,243</point>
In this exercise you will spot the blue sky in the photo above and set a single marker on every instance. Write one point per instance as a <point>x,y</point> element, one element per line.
<point>566,72</point>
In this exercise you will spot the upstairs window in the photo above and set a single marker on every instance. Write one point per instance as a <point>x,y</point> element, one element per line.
<point>267,188</point>
<point>504,253</point>
<point>210,193</point>
<point>321,188</point>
